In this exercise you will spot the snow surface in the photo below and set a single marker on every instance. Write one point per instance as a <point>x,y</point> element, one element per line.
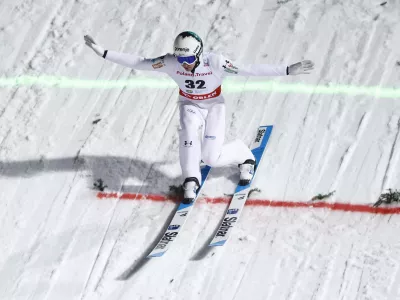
<point>59,241</point>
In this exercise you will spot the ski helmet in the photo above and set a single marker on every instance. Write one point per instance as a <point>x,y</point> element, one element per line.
<point>188,43</point>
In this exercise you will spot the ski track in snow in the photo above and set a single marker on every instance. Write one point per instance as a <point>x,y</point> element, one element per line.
<point>58,241</point>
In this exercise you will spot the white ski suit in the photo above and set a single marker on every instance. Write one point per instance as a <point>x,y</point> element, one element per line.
<point>201,105</point>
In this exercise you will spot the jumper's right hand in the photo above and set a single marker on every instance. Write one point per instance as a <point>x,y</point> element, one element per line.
<point>89,41</point>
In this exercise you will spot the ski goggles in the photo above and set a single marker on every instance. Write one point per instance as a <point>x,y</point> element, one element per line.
<point>186,59</point>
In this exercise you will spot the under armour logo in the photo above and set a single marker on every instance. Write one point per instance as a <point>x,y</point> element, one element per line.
<point>188,144</point>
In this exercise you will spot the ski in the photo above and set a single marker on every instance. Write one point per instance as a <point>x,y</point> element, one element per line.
<point>177,222</point>
<point>242,192</point>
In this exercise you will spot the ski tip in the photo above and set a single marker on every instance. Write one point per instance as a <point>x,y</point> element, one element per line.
<point>220,243</point>
<point>156,254</point>
<point>266,126</point>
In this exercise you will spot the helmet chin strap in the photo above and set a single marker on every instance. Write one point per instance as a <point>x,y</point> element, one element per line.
<point>197,62</point>
<point>195,66</point>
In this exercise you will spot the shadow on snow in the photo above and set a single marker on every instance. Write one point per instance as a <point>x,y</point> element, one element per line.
<point>114,171</point>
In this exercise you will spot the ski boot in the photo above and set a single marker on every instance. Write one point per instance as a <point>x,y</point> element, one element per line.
<point>190,187</point>
<point>246,171</point>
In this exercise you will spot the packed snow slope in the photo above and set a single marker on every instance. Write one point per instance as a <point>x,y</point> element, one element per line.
<point>59,241</point>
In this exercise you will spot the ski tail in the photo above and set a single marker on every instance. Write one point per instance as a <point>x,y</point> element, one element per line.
<point>242,192</point>
<point>177,222</point>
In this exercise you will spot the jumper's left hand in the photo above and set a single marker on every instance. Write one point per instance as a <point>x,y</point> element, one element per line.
<point>303,67</point>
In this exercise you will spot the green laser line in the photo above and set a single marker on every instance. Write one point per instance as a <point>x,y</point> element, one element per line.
<point>228,86</point>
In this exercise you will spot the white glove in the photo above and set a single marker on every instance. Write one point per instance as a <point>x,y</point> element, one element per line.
<point>89,41</point>
<point>302,67</point>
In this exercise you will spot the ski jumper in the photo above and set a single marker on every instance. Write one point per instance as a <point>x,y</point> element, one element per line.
<point>201,105</point>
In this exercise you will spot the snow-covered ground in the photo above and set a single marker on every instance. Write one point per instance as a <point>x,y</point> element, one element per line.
<point>58,240</point>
